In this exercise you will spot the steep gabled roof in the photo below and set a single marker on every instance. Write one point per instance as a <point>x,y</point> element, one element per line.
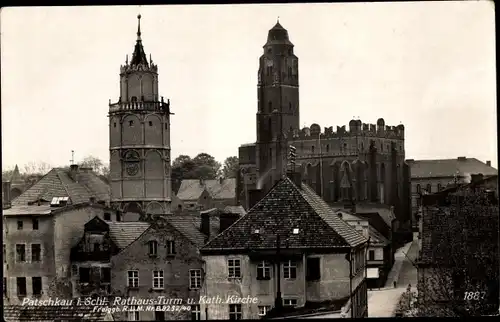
<point>191,189</point>
<point>190,226</point>
<point>58,183</point>
<point>284,208</point>
<point>449,168</point>
<point>124,233</point>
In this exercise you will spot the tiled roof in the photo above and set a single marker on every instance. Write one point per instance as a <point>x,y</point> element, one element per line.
<point>376,238</point>
<point>51,313</point>
<point>58,183</point>
<point>190,226</point>
<point>284,208</point>
<point>384,211</point>
<point>23,210</point>
<point>191,189</point>
<point>449,168</point>
<point>124,233</point>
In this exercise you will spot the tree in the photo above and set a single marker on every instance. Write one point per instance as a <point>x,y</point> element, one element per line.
<point>203,166</point>
<point>231,166</point>
<point>206,166</point>
<point>459,266</point>
<point>92,162</point>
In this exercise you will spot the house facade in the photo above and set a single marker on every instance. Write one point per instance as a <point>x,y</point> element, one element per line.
<point>201,194</point>
<point>41,227</point>
<point>290,245</point>
<point>435,175</point>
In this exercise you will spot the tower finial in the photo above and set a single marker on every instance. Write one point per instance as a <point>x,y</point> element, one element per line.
<point>278,20</point>
<point>139,27</point>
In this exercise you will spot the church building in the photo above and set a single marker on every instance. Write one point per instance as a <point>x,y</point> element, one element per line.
<point>139,139</point>
<point>364,163</point>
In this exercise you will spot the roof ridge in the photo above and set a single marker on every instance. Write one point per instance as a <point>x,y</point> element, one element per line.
<point>145,230</point>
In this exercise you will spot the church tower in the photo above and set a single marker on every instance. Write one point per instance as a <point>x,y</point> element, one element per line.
<point>278,105</point>
<point>139,139</point>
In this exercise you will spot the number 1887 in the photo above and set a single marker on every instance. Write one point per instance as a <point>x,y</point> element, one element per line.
<point>474,295</point>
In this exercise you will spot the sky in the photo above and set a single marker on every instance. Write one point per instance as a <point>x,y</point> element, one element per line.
<point>428,65</point>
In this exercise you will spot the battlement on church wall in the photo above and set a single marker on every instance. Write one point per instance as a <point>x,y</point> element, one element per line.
<point>356,128</point>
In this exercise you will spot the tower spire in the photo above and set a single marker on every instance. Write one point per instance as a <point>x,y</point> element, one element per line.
<point>139,56</point>
<point>139,27</point>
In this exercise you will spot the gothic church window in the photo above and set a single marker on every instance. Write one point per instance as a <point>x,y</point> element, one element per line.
<point>165,126</point>
<point>133,99</point>
<point>327,148</point>
<point>429,188</point>
<point>290,106</point>
<point>312,149</point>
<point>289,71</point>
<point>270,106</point>
<point>418,188</point>
<point>114,124</point>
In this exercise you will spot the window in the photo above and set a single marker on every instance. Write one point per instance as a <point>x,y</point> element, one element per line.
<point>429,188</point>
<point>97,247</point>
<point>234,268</point>
<point>418,188</point>
<point>290,106</point>
<point>114,124</point>
<point>105,275</point>
<point>19,225</point>
<point>107,216</point>
<point>235,312</point>
<point>133,314</point>
<point>159,316</point>
<point>36,250</point>
<point>165,126</point>
<point>289,302</point>
<point>312,149</point>
<point>264,270</point>
<point>84,273</point>
<point>289,71</point>
<point>74,270</point>
<point>21,286</point>
<point>195,278</point>
<point>270,105</point>
<point>313,269</point>
<point>290,270</point>
<point>158,280</point>
<point>5,286</point>
<point>381,147</point>
<point>371,255</point>
<point>170,247</point>
<point>34,221</point>
<point>153,248</point>
<point>36,283</point>
<point>4,254</point>
<point>150,123</point>
<point>133,279</point>
<point>118,217</point>
<point>21,252</point>
<point>439,187</point>
<point>328,148</point>
<point>195,312</point>
<point>133,99</point>
<point>264,309</point>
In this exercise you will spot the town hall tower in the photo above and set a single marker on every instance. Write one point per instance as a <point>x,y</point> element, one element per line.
<point>139,139</point>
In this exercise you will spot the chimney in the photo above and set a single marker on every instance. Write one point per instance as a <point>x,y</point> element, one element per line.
<point>474,178</point>
<point>73,171</point>
<point>254,196</point>
<point>221,180</point>
<point>296,178</point>
<point>461,158</point>
<point>205,224</point>
<point>201,181</point>
<point>6,194</point>
<point>488,163</point>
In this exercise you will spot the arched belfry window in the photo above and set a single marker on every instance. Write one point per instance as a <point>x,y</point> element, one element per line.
<point>270,106</point>
<point>132,161</point>
<point>382,173</point>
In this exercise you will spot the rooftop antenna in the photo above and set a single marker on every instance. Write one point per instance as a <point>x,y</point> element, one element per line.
<point>72,157</point>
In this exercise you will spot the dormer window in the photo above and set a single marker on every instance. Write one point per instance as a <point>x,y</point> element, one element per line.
<point>153,248</point>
